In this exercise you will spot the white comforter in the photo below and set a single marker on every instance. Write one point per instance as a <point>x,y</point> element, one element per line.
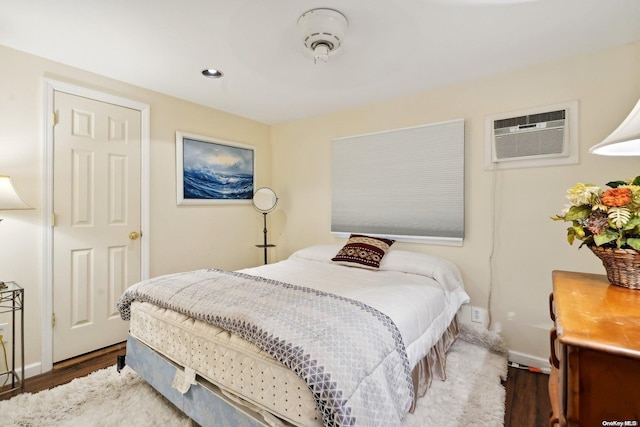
<point>419,292</point>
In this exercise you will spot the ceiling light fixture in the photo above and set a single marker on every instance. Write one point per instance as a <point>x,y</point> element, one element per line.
<point>322,32</point>
<point>212,73</point>
<point>625,140</point>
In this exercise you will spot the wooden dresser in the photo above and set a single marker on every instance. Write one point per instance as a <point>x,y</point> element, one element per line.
<point>595,352</point>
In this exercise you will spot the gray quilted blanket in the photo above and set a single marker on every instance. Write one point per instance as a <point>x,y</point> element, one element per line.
<point>351,355</point>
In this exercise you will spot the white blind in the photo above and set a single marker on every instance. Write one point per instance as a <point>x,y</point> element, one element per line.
<point>401,183</point>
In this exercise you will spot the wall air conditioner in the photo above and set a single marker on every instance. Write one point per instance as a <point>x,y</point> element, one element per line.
<point>534,137</point>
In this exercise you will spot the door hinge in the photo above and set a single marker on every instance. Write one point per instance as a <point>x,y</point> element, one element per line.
<point>54,119</point>
<point>53,219</point>
<point>53,320</point>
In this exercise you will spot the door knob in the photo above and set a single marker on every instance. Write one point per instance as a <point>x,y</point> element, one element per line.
<point>134,235</point>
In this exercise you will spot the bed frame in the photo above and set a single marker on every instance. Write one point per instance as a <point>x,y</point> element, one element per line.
<point>203,402</point>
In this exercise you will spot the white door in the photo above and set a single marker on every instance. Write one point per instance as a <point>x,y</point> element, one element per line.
<point>97,204</point>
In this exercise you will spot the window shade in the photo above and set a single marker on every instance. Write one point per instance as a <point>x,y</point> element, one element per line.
<point>404,183</point>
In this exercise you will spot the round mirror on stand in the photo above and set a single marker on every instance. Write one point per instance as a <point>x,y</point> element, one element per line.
<point>265,200</point>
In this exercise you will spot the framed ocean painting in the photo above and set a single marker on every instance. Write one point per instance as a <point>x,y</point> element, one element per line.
<point>213,171</point>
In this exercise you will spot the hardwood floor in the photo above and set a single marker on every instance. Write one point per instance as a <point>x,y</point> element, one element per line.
<point>527,399</point>
<point>67,370</point>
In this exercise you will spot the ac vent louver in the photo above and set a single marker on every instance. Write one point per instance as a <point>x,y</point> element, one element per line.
<point>530,119</point>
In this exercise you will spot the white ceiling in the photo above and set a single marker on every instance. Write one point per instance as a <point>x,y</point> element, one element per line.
<point>391,48</point>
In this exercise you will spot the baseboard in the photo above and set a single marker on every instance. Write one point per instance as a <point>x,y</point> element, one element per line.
<point>32,370</point>
<point>530,361</point>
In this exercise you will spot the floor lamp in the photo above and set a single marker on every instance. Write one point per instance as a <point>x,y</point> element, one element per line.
<point>265,200</point>
<point>9,200</point>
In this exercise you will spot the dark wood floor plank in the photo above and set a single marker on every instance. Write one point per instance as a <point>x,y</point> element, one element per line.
<point>527,399</point>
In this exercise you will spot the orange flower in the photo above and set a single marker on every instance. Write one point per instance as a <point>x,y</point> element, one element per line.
<point>616,197</point>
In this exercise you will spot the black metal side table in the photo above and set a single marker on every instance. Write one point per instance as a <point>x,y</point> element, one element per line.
<point>12,301</point>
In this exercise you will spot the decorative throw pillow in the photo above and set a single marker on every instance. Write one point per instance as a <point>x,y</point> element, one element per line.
<point>363,251</point>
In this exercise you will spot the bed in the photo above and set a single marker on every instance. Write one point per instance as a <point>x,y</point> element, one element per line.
<point>309,341</point>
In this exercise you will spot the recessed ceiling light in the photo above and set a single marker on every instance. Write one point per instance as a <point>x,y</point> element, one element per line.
<point>212,73</point>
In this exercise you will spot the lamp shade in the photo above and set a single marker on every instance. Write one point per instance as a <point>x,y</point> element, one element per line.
<point>625,140</point>
<point>9,198</point>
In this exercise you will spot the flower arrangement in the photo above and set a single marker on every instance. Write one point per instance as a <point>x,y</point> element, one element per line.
<point>609,218</point>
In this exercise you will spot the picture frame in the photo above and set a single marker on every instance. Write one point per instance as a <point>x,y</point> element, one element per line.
<point>211,171</point>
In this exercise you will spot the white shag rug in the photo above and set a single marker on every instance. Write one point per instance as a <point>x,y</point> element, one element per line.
<point>471,395</point>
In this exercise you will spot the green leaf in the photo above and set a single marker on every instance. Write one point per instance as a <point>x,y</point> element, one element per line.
<point>605,237</point>
<point>577,231</point>
<point>577,212</point>
<point>634,242</point>
<point>621,241</point>
<point>616,184</point>
<point>636,181</point>
<point>633,223</point>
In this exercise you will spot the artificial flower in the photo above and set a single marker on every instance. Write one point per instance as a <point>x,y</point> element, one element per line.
<point>608,218</point>
<point>616,197</point>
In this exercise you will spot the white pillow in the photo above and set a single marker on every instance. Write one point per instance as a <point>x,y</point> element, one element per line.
<point>439,269</point>
<point>317,253</point>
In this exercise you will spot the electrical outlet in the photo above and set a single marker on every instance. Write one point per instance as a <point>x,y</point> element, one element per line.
<point>476,314</point>
<point>4,331</point>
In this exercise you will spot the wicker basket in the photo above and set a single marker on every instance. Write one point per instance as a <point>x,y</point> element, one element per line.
<point>622,265</point>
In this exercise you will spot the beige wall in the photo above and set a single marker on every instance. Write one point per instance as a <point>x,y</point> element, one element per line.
<point>527,245</point>
<point>181,238</point>
<point>294,159</point>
